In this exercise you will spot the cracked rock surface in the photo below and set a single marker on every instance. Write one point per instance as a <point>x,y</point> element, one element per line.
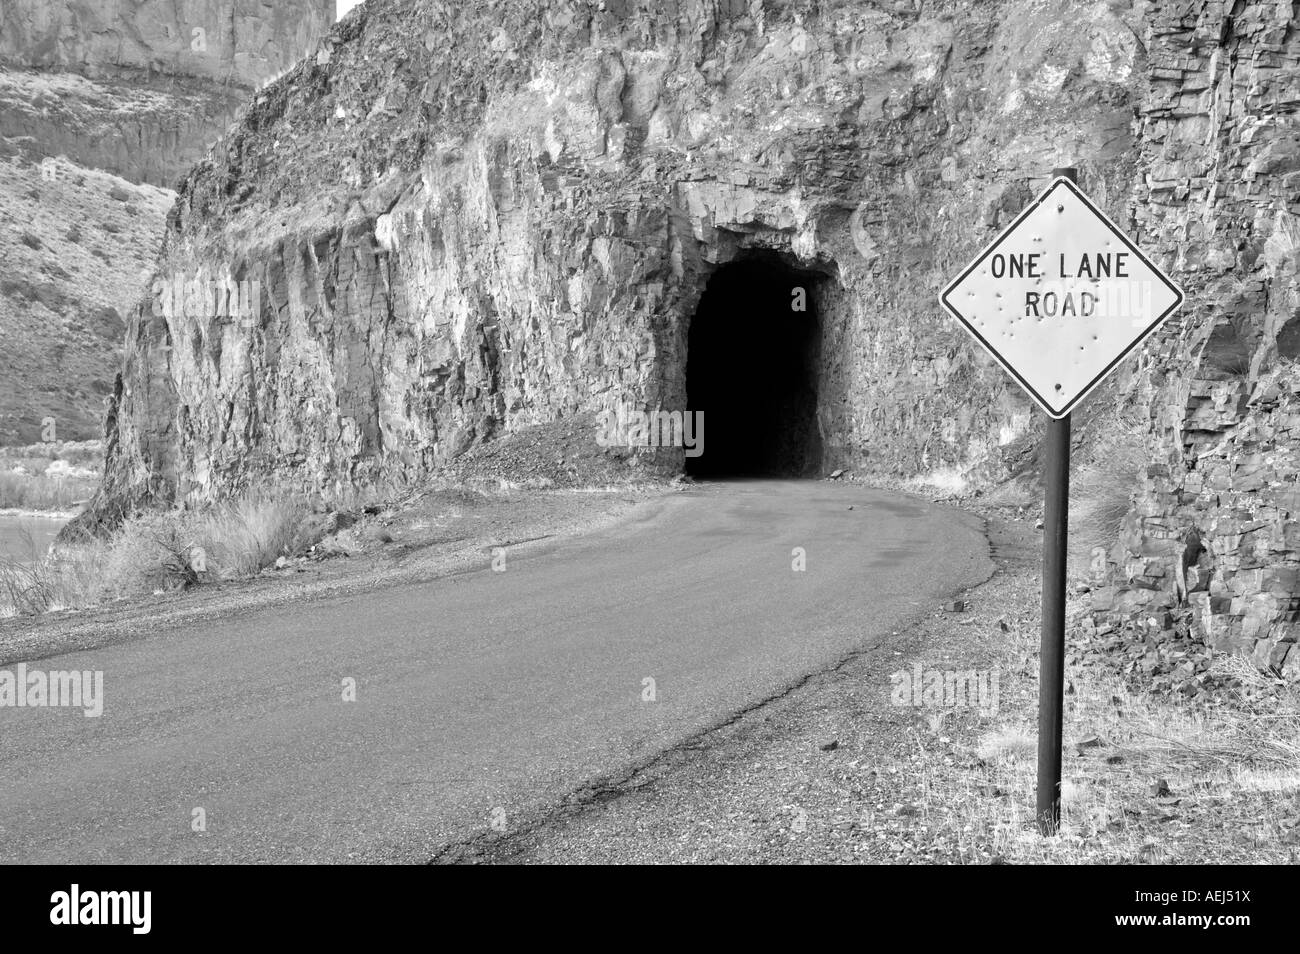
<point>463,221</point>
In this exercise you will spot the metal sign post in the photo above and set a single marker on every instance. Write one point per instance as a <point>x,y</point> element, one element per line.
<point>1051,652</point>
<point>1051,656</point>
<point>1059,299</point>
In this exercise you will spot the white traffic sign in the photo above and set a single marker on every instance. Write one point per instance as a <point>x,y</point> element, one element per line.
<point>1061,297</point>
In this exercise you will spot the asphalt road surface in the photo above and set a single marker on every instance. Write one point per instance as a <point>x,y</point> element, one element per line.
<point>483,698</point>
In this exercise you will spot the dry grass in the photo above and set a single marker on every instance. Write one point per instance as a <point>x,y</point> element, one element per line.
<point>1101,490</point>
<point>56,476</point>
<point>160,552</point>
<point>20,491</point>
<point>1232,773</point>
<point>1007,745</point>
<point>244,536</point>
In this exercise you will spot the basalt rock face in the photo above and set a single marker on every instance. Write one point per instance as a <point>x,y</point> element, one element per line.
<point>244,42</point>
<point>460,220</point>
<point>145,129</point>
<point>136,88</point>
<point>1212,547</point>
<point>140,88</point>
<point>457,221</point>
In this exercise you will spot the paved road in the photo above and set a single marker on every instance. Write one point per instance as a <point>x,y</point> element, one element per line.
<point>483,691</point>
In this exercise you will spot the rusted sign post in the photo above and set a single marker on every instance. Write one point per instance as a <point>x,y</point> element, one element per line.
<point>1059,299</point>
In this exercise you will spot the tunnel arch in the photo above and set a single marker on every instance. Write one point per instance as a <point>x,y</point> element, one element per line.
<point>753,347</point>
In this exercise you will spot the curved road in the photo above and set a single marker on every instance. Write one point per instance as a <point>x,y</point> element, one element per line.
<point>480,697</point>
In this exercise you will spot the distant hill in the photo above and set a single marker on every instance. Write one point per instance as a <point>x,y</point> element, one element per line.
<point>76,250</point>
<point>103,107</point>
<point>140,88</point>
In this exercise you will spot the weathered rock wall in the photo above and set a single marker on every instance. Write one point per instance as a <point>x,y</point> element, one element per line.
<point>460,221</point>
<point>1219,511</point>
<point>240,42</point>
<point>129,88</point>
<point>144,129</point>
<point>140,88</point>
<point>466,219</point>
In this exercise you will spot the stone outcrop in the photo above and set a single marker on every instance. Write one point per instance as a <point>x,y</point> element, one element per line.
<point>144,129</point>
<point>140,88</point>
<point>460,221</point>
<point>1213,543</point>
<point>464,220</point>
<point>75,249</point>
<point>240,42</point>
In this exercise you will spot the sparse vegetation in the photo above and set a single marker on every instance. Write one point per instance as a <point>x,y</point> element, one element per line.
<point>161,552</point>
<point>1007,745</point>
<point>61,494</point>
<point>1147,779</point>
<point>243,536</point>
<point>1100,492</point>
<point>57,289</point>
<point>57,476</point>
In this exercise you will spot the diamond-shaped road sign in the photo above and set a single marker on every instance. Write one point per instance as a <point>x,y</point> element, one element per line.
<point>1061,297</point>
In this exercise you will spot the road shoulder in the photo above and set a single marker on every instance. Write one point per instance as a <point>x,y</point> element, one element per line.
<point>431,536</point>
<point>850,766</point>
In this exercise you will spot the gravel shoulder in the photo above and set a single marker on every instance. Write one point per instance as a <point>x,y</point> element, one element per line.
<point>839,770</point>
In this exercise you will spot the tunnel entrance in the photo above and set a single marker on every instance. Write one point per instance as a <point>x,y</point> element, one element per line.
<point>751,360</point>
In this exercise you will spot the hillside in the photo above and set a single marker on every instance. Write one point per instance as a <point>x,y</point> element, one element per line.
<point>77,249</point>
<point>102,109</point>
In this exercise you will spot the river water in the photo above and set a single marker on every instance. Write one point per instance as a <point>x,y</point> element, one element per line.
<point>25,538</point>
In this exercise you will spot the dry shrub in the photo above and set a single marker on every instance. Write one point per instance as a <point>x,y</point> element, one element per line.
<point>159,551</point>
<point>1101,492</point>
<point>243,536</point>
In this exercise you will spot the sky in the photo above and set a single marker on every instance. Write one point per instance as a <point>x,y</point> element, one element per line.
<point>345,5</point>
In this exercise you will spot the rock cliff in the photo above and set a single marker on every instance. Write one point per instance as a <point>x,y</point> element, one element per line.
<point>468,220</point>
<point>458,221</point>
<point>1212,547</point>
<point>74,251</point>
<point>140,88</point>
<point>243,42</point>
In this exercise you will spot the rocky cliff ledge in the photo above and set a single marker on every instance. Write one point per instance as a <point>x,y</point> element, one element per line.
<point>136,88</point>
<point>457,221</point>
<point>1212,547</point>
<point>140,88</point>
<point>462,220</point>
<point>243,42</point>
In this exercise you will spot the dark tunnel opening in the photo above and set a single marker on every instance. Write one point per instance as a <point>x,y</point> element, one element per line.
<point>752,350</point>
